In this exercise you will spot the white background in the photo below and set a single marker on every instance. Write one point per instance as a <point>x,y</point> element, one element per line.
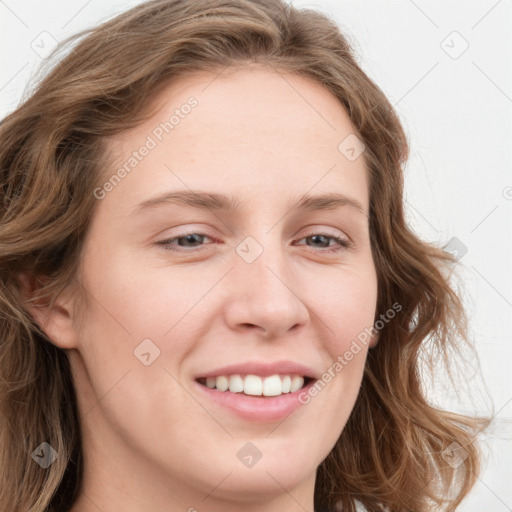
<point>457,114</point>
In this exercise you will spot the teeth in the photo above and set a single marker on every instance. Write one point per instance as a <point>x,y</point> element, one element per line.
<point>297,383</point>
<point>272,386</point>
<point>236,384</point>
<point>254,385</point>
<point>222,383</point>
<point>287,383</point>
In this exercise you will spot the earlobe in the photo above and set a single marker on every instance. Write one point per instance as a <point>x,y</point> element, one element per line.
<point>56,322</point>
<point>374,340</point>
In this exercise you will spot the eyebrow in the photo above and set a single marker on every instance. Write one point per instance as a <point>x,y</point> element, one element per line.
<point>219,202</point>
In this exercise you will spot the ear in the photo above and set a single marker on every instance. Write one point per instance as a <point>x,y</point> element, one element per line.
<point>374,340</point>
<point>58,322</point>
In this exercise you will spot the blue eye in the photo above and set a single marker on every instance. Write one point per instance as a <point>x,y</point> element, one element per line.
<point>188,238</point>
<point>340,243</point>
<point>187,242</point>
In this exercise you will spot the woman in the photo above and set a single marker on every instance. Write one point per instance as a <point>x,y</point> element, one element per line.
<point>210,297</point>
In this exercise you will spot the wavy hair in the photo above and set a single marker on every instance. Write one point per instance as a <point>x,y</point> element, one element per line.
<point>390,453</point>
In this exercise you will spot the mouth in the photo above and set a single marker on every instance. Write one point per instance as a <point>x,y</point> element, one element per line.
<point>257,391</point>
<point>256,385</point>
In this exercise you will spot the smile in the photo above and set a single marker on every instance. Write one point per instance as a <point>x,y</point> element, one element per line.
<point>255,385</point>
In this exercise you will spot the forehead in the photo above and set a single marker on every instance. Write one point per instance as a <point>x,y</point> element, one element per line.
<point>243,130</point>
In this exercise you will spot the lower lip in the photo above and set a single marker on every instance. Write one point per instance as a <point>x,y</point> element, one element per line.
<point>253,408</point>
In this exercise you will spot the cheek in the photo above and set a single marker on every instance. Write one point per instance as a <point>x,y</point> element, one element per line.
<point>133,311</point>
<point>345,306</point>
<point>128,315</point>
<point>346,303</point>
<point>344,310</point>
<point>133,300</point>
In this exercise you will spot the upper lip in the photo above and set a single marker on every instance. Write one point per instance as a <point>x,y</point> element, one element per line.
<point>262,369</point>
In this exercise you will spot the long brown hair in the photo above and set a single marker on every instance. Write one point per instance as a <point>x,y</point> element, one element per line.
<point>390,454</point>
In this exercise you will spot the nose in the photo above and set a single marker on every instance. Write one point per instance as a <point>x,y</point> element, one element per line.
<point>263,298</point>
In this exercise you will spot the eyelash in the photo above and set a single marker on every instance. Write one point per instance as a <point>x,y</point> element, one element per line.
<point>343,244</point>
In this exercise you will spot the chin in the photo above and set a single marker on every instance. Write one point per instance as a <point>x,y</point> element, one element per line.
<point>262,481</point>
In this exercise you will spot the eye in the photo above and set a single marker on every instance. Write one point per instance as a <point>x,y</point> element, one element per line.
<point>339,243</point>
<point>187,240</point>
<point>191,242</point>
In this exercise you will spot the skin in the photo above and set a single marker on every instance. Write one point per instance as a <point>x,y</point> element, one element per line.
<point>150,441</point>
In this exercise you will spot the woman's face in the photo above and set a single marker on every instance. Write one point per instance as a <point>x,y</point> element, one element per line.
<point>260,289</point>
